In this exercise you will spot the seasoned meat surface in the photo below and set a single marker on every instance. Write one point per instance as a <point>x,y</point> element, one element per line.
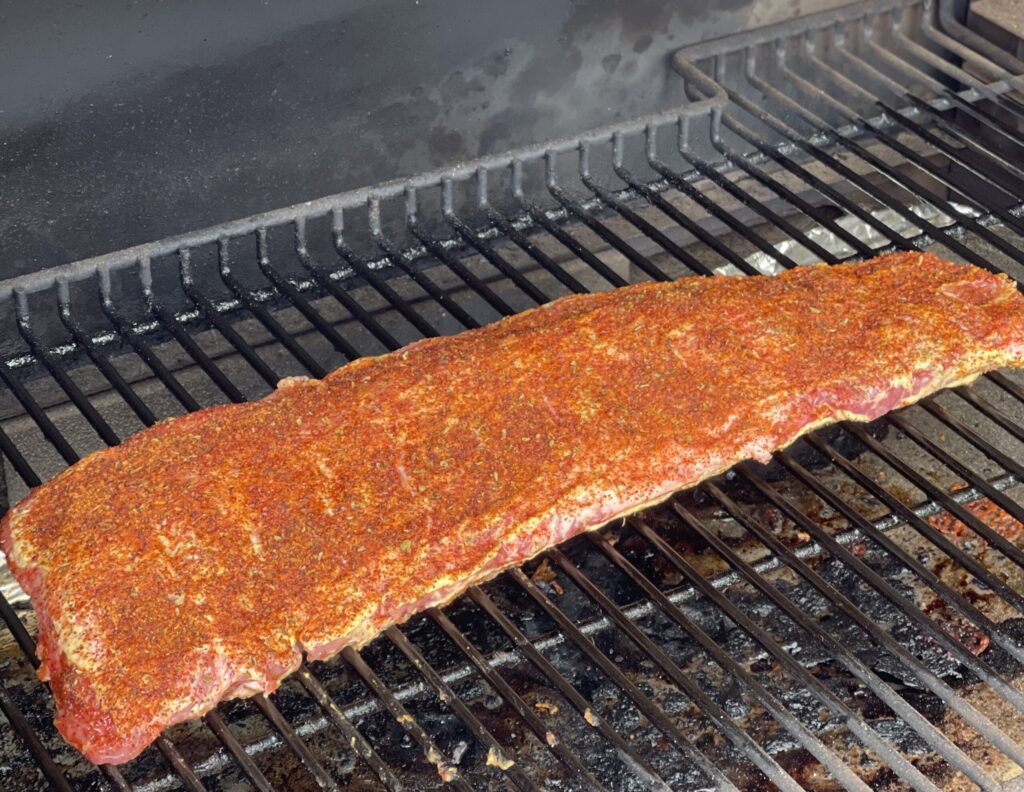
<point>201,558</point>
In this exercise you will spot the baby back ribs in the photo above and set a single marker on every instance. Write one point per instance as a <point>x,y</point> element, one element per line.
<point>201,558</point>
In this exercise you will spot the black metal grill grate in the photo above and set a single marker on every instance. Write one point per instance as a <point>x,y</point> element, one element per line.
<point>797,625</point>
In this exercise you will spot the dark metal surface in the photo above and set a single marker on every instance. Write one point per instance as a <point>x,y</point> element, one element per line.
<point>125,123</point>
<point>850,616</point>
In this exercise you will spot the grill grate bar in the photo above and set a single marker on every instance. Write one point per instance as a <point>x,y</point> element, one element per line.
<point>1005,179</point>
<point>1011,104</point>
<point>21,726</point>
<point>854,722</point>
<point>934,61</point>
<point>460,270</point>
<point>294,742</point>
<point>893,175</point>
<point>642,701</point>
<point>399,259</point>
<point>128,334</point>
<point>908,74</point>
<point>296,298</point>
<point>218,726</point>
<point>882,637</point>
<point>839,769</point>
<point>138,406</point>
<point>588,219</point>
<point>965,220</point>
<point>646,228</point>
<point>351,734</point>
<point>972,41</point>
<point>866,528</point>
<point>366,269</point>
<point>480,246</point>
<point>169,322</point>
<point>717,245</point>
<point>96,421</point>
<point>850,114</point>
<point>578,702</point>
<point>852,177</point>
<point>1000,499</point>
<point>756,753</point>
<point>263,316</point>
<point>985,407</point>
<point>25,641</point>
<point>557,746</point>
<point>989,121</point>
<point>758,240</point>
<point>573,246</point>
<point>714,209</point>
<point>819,185</point>
<point>683,221</point>
<point>214,317</point>
<point>749,201</point>
<point>346,300</point>
<point>449,259</point>
<point>993,453</point>
<point>976,568</point>
<point>985,57</point>
<point>794,200</point>
<point>181,767</point>
<point>446,769</point>
<point>21,465</point>
<point>997,61</point>
<point>50,432</point>
<point>1007,385</point>
<point>496,756</point>
<point>113,775</point>
<point>382,288</point>
<point>549,264</point>
<point>936,538</point>
<point>946,747</point>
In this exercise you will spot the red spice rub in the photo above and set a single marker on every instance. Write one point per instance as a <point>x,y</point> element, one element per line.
<point>200,558</point>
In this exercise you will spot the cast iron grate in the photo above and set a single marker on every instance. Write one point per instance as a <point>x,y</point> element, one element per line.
<point>805,624</point>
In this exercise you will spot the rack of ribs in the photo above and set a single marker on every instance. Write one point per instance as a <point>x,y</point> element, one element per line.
<point>202,558</point>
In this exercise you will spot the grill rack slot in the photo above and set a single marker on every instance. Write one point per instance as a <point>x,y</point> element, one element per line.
<point>605,211</point>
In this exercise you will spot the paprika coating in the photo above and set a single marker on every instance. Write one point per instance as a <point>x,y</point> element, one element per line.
<point>202,558</point>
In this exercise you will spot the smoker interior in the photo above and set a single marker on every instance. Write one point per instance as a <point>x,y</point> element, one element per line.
<point>849,616</point>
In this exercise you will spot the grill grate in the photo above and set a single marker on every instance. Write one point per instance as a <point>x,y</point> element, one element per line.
<point>800,625</point>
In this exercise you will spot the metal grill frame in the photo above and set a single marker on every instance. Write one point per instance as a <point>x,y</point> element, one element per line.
<point>728,112</point>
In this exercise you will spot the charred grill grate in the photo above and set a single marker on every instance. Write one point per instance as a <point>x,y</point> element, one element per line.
<point>848,617</point>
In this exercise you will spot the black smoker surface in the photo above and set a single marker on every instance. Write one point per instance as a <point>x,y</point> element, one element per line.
<point>123,124</point>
